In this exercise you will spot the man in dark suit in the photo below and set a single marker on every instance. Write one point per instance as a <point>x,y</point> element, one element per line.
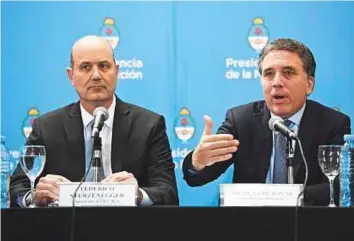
<point>135,146</point>
<point>244,139</point>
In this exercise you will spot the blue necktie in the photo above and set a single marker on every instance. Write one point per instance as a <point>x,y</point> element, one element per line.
<point>280,174</point>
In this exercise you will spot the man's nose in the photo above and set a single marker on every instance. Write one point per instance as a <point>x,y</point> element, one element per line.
<point>278,80</point>
<point>96,74</point>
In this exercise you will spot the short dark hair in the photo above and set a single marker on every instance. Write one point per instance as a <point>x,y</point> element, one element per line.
<point>291,45</point>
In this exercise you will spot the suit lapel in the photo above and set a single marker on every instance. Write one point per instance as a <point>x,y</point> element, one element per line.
<point>305,136</point>
<point>262,141</point>
<point>74,135</point>
<point>120,135</point>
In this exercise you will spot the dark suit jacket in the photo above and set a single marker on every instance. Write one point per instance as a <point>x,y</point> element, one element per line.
<point>139,145</point>
<point>249,124</point>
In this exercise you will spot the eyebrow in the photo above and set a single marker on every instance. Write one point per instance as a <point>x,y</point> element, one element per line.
<point>88,62</point>
<point>85,62</point>
<point>285,67</point>
<point>290,67</point>
<point>104,61</point>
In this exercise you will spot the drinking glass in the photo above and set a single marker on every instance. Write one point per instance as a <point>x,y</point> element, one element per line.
<point>32,162</point>
<point>329,157</point>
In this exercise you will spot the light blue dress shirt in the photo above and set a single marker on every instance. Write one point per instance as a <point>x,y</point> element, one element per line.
<point>296,118</point>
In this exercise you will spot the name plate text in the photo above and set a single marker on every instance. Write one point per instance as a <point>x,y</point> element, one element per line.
<point>97,194</point>
<point>251,194</point>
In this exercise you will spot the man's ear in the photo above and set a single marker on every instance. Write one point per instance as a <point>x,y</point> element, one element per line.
<point>310,85</point>
<point>69,72</point>
<point>117,68</point>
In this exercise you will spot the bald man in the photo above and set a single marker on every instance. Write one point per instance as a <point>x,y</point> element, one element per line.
<point>135,146</point>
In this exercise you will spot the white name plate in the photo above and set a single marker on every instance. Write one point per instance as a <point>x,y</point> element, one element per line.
<point>92,194</point>
<point>259,194</point>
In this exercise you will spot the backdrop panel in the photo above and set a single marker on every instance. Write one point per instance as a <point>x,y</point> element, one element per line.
<point>180,59</point>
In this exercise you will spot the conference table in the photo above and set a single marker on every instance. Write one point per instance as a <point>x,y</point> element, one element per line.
<point>178,223</point>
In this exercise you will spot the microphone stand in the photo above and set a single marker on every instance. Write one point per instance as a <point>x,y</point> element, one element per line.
<point>96,156</point>
<point>95,165</point>
<point>290,160</point>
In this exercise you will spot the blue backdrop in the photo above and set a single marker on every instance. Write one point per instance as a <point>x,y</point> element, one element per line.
<point>181,59</point>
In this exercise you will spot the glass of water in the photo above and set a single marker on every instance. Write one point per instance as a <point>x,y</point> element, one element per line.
<point>329,157</point>
<point>32,161</point>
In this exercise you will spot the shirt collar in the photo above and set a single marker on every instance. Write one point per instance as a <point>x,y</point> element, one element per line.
<point>87,117</point>
<point>296,118</point>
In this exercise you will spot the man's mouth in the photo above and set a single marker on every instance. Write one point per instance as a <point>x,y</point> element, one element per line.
<point>278,98</point>
<point>96,86</point>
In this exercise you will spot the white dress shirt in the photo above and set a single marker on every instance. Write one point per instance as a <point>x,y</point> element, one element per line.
<point>105,134</point>
<point>106,137</point>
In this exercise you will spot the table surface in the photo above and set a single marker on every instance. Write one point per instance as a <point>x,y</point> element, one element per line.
<point>178,223</point>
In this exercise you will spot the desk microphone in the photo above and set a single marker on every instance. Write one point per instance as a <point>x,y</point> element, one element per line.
<point>100,115</point>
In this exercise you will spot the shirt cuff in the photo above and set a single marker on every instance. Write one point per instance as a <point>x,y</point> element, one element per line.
<point>146,201</point>
<point>25,200</point>
<point>192,171</point>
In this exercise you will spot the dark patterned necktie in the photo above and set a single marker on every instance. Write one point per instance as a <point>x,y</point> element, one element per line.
<point>280,174</point>
<point>88,155</point>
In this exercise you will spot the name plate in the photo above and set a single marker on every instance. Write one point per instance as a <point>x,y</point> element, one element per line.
<point>92,194</point>
<point>260,194</point>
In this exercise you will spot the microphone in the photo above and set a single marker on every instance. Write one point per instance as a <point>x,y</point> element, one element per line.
<point>101,115</point>
<point>277,124</point>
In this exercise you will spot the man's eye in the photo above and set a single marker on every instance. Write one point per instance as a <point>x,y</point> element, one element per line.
<point>104,65</point>
<point>289,73</point>
<point>268,74</point>
<point>85,67</point>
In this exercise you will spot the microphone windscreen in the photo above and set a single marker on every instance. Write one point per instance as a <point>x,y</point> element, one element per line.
<point>272,122</point>
<point>101,110</point>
